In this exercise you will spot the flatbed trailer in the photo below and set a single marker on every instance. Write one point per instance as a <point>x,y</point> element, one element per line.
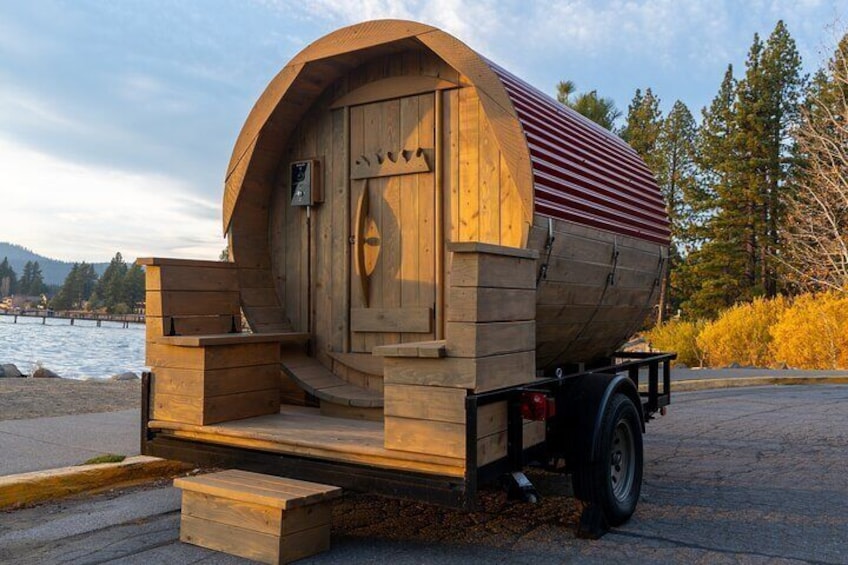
<point>301,443</point>
<point>438,265</point>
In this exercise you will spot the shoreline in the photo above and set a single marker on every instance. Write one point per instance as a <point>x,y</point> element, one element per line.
<point>25,398</point>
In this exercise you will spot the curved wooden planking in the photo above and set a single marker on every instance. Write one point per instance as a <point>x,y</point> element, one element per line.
<point>296,81</point>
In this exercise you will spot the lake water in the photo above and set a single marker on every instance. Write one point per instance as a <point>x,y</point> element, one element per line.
<point>80,351</point>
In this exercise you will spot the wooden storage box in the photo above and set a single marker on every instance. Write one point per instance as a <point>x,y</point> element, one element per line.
<point>260,517</point>
<point>209,379</point>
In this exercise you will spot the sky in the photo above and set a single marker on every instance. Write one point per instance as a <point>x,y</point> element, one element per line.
<point>117,117</point>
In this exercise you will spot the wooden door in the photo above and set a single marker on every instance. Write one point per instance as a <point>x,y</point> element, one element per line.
<point>393,232</point>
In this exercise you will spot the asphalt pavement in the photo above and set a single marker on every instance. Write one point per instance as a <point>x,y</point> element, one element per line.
<point>740,475</point>
<point>47,443</point>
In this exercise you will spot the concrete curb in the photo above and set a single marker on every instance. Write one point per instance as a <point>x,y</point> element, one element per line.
<point>736,382</point>
<point>37,486</point>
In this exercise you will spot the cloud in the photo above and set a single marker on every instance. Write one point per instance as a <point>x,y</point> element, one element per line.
<point>80,212</point>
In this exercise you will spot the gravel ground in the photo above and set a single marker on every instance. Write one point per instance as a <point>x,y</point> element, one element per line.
<point>38,398</point>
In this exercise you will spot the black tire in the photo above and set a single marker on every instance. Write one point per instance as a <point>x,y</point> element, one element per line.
<point>614,481</point>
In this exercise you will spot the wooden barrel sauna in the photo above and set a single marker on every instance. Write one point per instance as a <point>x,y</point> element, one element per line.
<point>382,145</point>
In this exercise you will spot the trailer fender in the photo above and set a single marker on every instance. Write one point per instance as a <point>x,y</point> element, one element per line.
<point>585,402</point>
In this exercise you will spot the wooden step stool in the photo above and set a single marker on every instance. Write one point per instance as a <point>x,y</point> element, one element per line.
<point>260,517</point>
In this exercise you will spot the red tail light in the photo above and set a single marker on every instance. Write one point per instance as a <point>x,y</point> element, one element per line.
<point>536,406</point>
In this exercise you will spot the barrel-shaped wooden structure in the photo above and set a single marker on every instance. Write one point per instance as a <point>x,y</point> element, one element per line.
<point>417,143</point>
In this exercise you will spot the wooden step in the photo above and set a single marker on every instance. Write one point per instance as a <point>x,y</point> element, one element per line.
<point>319,381</point>
<point>261,517</point>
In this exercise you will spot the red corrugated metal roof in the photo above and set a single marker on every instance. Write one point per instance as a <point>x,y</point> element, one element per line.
<point>583,173</point>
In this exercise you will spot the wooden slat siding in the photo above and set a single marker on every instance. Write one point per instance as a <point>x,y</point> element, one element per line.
<point>391,214</point>
<point>256,278</point>
<point>450,188</point>
<point>322,229</point>
<point>216,382</point>
<point>425,436</point>
<point>435,349</point>
<point>191,303</point>
<point>260,297</point>
<point>339,248</point>
<point>409,207</point>
<point>574,301</point>
<point>395,86</point>
<point>418,402</point>
<point>257,488</point>
<point>469,165</point>
<point>427,214</point>
<point>362,362</point>
<point>490,270</point>
<point>471,339</point>
<point>415,320</point>
<point>192,278</point>
<point>499,371</point>
<point>469,304</point>
<point>215,409</point>
<point>513,225</point>
<point>256,546</point>
<point>357,146</point>
<point>266,318</point>
<point>373,124</point>
<point>333,410</point>
<point>223,357</point>
<point>251,516</point>
<point>494,446</point>
<point>280,216</point>
<point>158,326</point>
<point>213,340</point>
<point>303,431</point>
<point>492,435</point>
<point>490,183</point>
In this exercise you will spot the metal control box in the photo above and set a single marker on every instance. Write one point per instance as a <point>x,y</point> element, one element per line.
<point>305,182</point>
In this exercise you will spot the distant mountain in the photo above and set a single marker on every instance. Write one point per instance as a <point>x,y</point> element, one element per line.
<point>53,270</point>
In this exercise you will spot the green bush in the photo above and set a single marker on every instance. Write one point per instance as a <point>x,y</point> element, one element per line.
<point>813,332</point>
<point>680,337</point>
<point>742,334</point>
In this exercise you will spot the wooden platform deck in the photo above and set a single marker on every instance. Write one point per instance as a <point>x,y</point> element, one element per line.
<point>305,432</point>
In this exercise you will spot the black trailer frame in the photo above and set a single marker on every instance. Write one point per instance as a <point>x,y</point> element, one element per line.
<point>447,491</point>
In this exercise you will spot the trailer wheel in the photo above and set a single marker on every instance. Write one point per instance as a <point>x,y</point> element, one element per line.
<point>614,481</point>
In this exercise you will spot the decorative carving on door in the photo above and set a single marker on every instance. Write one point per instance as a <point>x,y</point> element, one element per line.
<point>404,162</point>
<point>366,242</point>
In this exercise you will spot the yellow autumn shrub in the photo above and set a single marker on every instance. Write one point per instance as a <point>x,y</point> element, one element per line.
<point>742,334</point>
<point>680,337</point>
<point>813,332</point>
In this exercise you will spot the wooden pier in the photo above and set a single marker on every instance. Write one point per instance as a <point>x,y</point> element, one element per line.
<point>124,319</point>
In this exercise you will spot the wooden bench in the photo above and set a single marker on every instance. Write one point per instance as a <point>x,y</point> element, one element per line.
<point>260,517</point>
<point>338,397</point>
<point>205,370</point>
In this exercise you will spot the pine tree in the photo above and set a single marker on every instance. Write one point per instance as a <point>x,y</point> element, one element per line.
<point>110,287</point>
<point>77,288</point>
<point>8,279</point>
<point>134,286</point>
<point>768,110</point>
<point>677,177</point>
<point>642,128</point>
<point>744,147</point>
<point>711,274</point>
<point>600,110</point>
<point>37,285</point>
<point>25,281</point>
